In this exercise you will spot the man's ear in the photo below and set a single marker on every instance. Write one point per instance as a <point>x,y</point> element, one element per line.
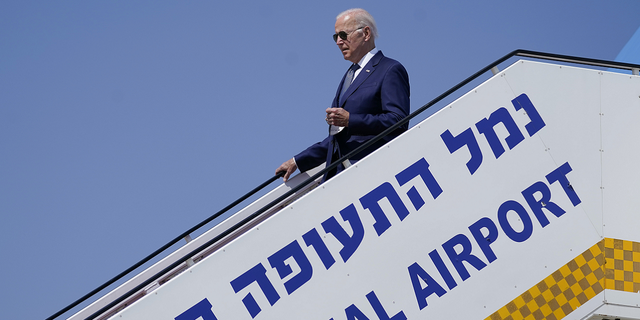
<point>367,33</point>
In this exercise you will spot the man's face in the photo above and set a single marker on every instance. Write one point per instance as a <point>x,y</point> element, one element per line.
<point>354,48</point>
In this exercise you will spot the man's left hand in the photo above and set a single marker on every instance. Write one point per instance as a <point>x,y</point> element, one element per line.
<point>337,117</point>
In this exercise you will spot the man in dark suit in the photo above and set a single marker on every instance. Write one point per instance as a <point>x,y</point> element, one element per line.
<point>372,96</point>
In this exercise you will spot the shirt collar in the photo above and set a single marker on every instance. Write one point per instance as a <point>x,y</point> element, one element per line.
<point>363,62</point>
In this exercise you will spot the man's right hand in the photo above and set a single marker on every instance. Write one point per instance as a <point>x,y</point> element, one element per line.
<point>288,167</point>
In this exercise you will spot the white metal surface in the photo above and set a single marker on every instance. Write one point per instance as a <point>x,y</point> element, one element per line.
<point>610,305</point>
<point>189,247</point>
<point>417,230</point>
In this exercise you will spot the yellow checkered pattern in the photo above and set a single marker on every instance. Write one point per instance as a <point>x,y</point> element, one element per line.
<point>609,264</point>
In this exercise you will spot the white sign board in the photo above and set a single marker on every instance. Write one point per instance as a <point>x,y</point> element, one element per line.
<point>452,220</point>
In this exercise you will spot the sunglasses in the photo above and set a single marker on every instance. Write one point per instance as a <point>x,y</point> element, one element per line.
<point>343,35</point>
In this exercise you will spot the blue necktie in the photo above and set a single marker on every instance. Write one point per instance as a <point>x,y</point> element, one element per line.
<point>333,130</point>
<point>348,78</point>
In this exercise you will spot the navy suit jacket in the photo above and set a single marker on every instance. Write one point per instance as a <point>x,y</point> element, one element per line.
<point>376,99</point>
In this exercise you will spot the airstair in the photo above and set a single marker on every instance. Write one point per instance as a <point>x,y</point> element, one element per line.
<point>517,200</point>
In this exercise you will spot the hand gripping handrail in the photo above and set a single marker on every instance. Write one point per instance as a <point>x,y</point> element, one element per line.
<point>523,53</point>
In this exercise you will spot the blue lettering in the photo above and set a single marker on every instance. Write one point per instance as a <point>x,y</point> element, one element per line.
<point>536,123</point>
<point>256,274</point>
<point>420,168</point>
<point>486,127</point>
<point>380,311</point>
<point>560,175</point>
<point>370,201</point>
<point>313,239</point>
<point>417,276</point>
<point>349,243</point>
<point>442,269</point>
<point>485,232</point>
<point>524,217</point>
<point>483,241</point>
<point>353,313</point>
<point>457,258</point>
<point>277,261</point>
<point>544,202</point>
<point>465,138</point>
<point>202,310</point>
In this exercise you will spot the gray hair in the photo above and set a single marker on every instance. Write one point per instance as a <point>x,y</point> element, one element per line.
<point>362,18</point>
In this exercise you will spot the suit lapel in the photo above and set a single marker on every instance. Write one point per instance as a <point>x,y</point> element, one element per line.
<point>368,69</point>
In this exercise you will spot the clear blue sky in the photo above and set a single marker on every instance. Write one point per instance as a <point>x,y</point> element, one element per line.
<point>124,123</point>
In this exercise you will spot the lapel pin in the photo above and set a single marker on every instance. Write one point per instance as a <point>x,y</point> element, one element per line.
<point>367,70</point>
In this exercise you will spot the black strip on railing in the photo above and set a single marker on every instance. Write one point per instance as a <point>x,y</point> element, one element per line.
<point>585,61</point>
<point>523,53</point>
